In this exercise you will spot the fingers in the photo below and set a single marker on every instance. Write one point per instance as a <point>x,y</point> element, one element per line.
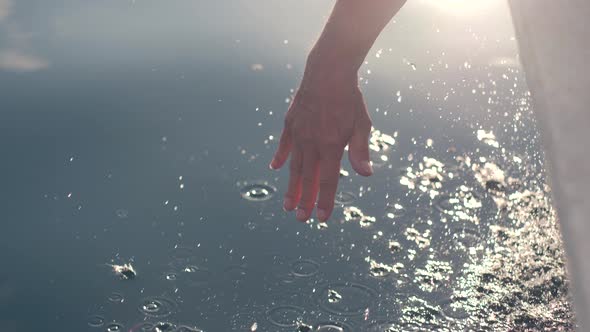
<point>294,189</point>
<point>309,184</point>
<point>358,146</point>
<point>283,150</point>
<point>329,174</point>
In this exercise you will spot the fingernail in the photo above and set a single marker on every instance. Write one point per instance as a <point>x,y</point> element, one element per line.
<point>271,165</point>
<point>300,214</point>
<point>322,214</point>
<point>288,204</point>
<point>366,167</point>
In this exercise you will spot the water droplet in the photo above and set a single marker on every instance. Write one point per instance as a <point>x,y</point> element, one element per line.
<point>352,213</point>
<point>258,191</point>
<point>333,296</point>
<point>125,271</point>
<point>157,307</point>
<point>355,298</point>
<point>95,321</point>
<point>171,276</point>
<point>285,316</point>
<point>304,268</point>
<point>395,246</point>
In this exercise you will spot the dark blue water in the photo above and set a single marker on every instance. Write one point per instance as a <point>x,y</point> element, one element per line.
<point>139,132</point>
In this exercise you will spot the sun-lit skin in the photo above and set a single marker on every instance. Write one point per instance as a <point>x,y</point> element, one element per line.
<point>328,111</point>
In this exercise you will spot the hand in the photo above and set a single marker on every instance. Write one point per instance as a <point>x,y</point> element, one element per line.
<point>325,115</point>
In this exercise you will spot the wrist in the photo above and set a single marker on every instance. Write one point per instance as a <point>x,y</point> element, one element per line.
<point>328,72</point>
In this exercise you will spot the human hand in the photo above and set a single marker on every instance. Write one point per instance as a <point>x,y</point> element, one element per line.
<point>327,114</point>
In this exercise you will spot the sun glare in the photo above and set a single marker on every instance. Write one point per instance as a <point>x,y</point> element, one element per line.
<point>461,7</point>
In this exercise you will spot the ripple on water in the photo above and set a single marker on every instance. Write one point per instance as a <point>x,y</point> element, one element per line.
<point>142,327</point>
<point>382,326</point>
<point>257,191</point>
<point>285,315</point>
<point>157,307</point>
<point>344,198</point>
<point>235,273</point>
<point>196,275</point>
<point>164,327</point>
<point>114,327</point>
<point>445,203</point>
<point>354,298</point>
<point>122,213</point>
<point>378,159</point>
<point>184,328</point>
<point>305,268</point>
<point>171,276</point>
<point>116,297</point>
<point>333,327</point>
<point>181,253</point>
<point>96,321</point>
<point>247,316</point>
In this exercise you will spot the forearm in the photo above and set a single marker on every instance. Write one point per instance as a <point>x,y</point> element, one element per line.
<point>349,34</point>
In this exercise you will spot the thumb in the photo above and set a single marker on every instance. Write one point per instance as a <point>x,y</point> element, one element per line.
<point>358,148</point>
